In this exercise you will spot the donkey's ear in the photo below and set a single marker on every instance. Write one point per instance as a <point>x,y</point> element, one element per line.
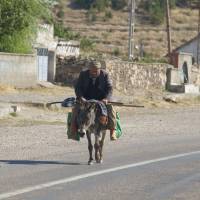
<point>91,105</point>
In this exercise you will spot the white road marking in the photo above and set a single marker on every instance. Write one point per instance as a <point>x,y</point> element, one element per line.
<point>75,178</point>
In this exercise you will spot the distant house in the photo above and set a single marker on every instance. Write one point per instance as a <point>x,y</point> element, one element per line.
<point>68,48</point>
<point>190,47</point>
<point>45,37</point>
<point>46,52</point>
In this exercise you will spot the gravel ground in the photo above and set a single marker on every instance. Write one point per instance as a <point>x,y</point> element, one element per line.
<point>36,132</point>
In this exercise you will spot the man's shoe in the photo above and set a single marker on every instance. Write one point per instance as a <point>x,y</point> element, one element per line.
<point>113,135</point>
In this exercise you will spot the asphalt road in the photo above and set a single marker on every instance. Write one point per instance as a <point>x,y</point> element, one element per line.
<point>162,165</point>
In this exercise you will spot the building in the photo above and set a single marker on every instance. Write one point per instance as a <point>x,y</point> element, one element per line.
<point>68,49</point>
<point>190,47</point>
<point>46,52</point>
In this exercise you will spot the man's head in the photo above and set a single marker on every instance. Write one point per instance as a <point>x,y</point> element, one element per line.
<point>94,68</point>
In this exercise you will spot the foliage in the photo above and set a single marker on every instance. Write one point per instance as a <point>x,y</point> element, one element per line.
<point>13,114</point>
<point>187,3</point>
<point>87,44</point>
<point>118,4</point>
<point>108,14</point>
<point>149,58</point>
<point>101,5</point>
<point>116,52</point>
<point>91,15</point>
<point>60,14</point>
<point>18,21</point>
<point>64,32</point>
<point>156,8</point>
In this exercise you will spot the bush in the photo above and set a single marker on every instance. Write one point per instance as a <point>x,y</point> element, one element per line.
<point>60,14</point>
<point>101,5</point>
<point>18,22</point>
<point>64,33</point>
<point>118,4</point>
<point>87,44</point>
<point>116,52</point>
<point>108,14</point>
<point>91,15</point>
<point>156,10</point>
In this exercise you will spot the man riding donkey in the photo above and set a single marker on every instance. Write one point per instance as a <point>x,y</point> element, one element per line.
<point>95,84</point>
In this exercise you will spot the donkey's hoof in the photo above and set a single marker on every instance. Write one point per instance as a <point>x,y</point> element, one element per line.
<point>99,161</point>
<point>90,162</point>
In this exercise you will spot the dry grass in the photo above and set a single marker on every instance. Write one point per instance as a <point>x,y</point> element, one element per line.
<point>7,89</point>
<point>113,33</point>
<point>55,90</point>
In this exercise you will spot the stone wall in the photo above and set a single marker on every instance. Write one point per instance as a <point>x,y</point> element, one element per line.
<point>127,77</point>
<point>19,70</point>
<point>195,76</point>
<point>130,77</point>
<point>67,71</point>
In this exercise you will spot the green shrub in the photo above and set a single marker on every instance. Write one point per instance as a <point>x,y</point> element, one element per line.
<point>108,14</point>
<point>87,44</point>
<point>18,22</point>
<point>64,32</point>
<point>118,4</point>
<point>116,51</point>
<point>60,14</point>
<point>13,114</point>
<point>91,15</point>
<point>101,5</point>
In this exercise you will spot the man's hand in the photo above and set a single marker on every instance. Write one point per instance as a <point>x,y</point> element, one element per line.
<point>105,101</point>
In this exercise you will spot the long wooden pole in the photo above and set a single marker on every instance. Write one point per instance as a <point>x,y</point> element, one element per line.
<point>168,29</point>
<point>131,30</point>
<point>198,40</point>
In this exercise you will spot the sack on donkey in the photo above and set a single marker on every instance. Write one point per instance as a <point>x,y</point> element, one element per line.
<point>76,136</point>
<point>73,136</point>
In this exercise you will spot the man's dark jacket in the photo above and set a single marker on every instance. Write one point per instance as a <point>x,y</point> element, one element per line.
<point>104,84</point>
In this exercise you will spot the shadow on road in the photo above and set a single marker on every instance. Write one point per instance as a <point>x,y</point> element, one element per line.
<point>39,162</point>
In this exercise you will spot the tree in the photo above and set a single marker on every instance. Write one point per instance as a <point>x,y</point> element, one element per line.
<point>100,5</point>
<point>18,22</point>
<point>118,4</point>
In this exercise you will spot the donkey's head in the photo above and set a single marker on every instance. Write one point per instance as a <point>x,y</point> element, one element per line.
<point>86,116</point>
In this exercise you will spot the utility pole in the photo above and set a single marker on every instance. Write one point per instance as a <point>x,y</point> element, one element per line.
<point>198,40</point>
<point>168,29</point>
<point>131,30</point>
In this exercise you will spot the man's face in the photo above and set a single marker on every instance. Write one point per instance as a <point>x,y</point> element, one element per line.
<point>94,72</point>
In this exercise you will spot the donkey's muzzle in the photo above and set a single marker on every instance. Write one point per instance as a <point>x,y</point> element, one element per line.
<point>81,132</point>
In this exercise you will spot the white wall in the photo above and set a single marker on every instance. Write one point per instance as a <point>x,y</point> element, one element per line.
<point>19,70</point>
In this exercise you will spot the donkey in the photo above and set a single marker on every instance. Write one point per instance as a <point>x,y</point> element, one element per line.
<point>87,123</point>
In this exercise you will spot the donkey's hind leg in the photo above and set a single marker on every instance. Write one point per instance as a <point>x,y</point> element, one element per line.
<point>90,148</point>
<point>101,145</point>
<point>97,148</point>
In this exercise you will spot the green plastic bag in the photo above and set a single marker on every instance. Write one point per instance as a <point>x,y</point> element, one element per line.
<point>118,129</point>
<point>69,134</point>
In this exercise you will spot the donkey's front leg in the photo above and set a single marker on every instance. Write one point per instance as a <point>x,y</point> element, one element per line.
<point>101,145</point>
<point>97,148</point>
<point>90,148</point>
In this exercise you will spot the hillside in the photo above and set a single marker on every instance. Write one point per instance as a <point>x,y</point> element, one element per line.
<point>111,34</point>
